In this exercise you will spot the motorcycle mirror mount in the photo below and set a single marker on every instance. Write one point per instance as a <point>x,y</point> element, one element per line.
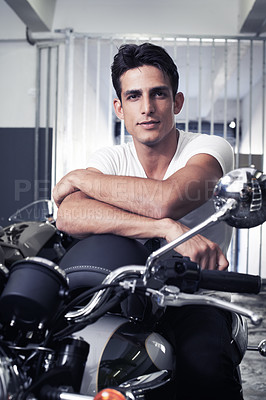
<point>239,199</point>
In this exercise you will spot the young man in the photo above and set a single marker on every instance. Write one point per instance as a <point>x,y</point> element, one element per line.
<point>156,187</point>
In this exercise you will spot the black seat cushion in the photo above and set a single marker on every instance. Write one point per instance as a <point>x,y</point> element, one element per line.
<point>89,261</point>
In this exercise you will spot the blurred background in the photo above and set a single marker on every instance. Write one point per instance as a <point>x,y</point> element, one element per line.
<point>56,93</point>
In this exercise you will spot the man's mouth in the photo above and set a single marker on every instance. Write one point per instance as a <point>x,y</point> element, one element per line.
<point>148,123</point>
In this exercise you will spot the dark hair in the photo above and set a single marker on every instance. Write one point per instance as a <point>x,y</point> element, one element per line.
<point>131,56</point>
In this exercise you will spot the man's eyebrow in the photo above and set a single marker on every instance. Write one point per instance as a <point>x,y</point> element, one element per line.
<point>156,88</point>
<point>132,92</point>
<point>139,91</point>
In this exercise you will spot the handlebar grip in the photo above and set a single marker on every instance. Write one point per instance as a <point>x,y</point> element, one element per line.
<point>229,281</point>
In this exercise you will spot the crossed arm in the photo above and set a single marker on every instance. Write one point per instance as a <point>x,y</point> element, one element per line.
<point>91,202</point>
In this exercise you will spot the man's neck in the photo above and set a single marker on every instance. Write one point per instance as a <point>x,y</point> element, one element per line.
<point>156,159</point>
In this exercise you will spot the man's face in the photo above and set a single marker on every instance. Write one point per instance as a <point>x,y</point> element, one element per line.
<point>148,107</point>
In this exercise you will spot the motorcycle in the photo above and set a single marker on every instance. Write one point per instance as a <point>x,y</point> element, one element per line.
<point>33,232</point>
<point>59,344</point>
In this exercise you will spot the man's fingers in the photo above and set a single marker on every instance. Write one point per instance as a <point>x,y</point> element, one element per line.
<point>62,190</point>
<point>209,255</point>
<point>204,252</point>
<point>56,196</point>
<point>222,261</point>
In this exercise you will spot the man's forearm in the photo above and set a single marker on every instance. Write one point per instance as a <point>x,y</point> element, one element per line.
<point>81,216</point>
<point>184,191</point>
<point>136,195</point>
<point>140,196</point>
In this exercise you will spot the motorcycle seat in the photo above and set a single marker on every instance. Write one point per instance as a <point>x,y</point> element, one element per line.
<point>89,261</point>
<point>85,276</point>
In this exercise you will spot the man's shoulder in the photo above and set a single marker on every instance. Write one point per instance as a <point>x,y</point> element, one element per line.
<point>192,139</point>
<point>188,136</point>
<point>191,144</point>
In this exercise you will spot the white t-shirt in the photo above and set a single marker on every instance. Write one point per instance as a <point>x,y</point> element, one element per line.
<point>123,160</point>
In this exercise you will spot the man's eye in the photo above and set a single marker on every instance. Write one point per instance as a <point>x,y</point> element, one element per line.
<point>160,94</point>
<point>132,97</point>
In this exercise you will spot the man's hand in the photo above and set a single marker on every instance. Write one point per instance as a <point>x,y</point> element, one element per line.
<point>200,250</point>
<point>66,186</point>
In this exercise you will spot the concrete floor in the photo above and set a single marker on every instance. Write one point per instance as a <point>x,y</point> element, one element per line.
<point>253,366</point>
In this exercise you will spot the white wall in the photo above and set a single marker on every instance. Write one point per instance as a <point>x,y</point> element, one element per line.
<point>17,84</point>
<point>17,72</point>
<point>183,17</point>
<point>11,27</point>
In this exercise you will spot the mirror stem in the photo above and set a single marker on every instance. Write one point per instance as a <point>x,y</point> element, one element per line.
<point>213,219</point>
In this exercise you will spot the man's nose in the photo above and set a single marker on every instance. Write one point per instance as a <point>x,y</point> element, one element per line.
<point>148,106</point>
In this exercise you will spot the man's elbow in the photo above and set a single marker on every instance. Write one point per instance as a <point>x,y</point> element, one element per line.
<point>65,221</point>
<point>62,224</point>
<point>70,224</point>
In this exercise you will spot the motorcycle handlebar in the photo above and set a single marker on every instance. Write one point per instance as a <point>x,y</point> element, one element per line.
<point>229,281</point>
<point>183,273</point>
<point>189,277</point>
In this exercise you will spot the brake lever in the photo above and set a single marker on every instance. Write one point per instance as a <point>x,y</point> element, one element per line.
<point>171,296</point>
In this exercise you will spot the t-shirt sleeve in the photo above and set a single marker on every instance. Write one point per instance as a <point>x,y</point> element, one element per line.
<point>215,146</point>
<point>105,160</point>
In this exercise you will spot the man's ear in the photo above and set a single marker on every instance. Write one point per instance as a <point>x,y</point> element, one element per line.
<point>178,103</point>
<point>118,109</point>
